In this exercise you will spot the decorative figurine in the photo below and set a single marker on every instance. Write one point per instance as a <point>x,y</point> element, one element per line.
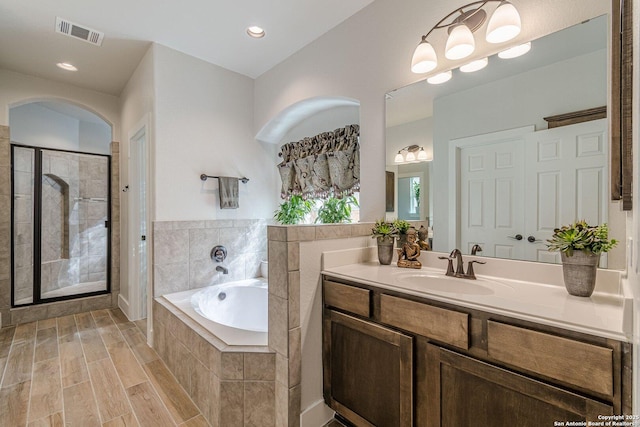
<point>423,236</point>
<point>410,251</point>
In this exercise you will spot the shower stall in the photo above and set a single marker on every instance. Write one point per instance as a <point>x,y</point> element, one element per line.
<point>60,224</point>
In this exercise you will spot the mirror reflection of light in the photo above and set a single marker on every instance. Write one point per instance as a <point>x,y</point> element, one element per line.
<point>440,78</point>
<point>474,65</point>
<point>515,51</point>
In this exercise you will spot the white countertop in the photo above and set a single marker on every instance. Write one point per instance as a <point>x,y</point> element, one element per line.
<point>604,314</point>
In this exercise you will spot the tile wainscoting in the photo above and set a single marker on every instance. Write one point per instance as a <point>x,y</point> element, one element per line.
<point>231,388</point>
<point>181,252</point>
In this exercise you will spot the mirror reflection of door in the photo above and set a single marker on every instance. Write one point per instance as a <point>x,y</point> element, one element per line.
<point>515,190</point>
<point>409,197</point>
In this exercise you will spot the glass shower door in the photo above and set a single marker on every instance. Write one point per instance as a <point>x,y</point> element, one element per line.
<point>67,238</point>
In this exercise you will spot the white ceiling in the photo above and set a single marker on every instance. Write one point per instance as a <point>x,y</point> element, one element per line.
<point>212,30</point>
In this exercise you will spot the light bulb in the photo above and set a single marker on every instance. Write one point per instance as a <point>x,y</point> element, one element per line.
<point>460,43</point>
<point>504,24</point>
<point>424,58</point>
<point>411,157</point>
<point>399,158</point>
<point>422,155</point>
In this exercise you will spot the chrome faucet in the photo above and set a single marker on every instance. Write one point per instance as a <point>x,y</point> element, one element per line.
<point>459,272</point>
<point>224,270</point>
<point>475,249</point>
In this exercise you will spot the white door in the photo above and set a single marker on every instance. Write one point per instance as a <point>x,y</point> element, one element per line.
<point>139,223</point>
<point>491,198</point>
<point>566,180</point>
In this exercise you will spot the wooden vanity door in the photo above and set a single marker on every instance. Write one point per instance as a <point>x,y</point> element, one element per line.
<point>368,372</point>
<point>461,391</point>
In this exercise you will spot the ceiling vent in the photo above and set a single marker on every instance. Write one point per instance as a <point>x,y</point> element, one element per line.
<point>77,31</point>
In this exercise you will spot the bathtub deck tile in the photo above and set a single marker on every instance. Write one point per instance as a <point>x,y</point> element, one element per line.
<point>75,366</point>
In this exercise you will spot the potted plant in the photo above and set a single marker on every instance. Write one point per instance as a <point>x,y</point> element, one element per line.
<point>293,211</point>
<point>385,233</point>
<point>402,226</point>
<point>580,246</point>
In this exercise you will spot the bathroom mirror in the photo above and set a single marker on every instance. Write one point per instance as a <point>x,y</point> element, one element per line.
<point>498,174</point>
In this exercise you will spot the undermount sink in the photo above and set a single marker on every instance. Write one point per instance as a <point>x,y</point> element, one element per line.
<point>453,285</point>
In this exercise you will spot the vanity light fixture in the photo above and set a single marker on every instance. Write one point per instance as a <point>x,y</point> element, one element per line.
<point>515,51</point>
<point>255,32</point>
<point>67,66</point>
<point>504,24</point>
<point>408,154</point>
<point>440,78</point>
<point>476,65</point>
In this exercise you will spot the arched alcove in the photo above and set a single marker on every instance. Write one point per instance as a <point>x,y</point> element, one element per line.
<point>59,124</point>
<point>276,128</point>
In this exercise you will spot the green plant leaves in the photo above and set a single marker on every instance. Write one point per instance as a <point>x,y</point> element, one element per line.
<point>580,236</point>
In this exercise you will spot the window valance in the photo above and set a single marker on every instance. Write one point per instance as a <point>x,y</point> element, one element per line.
<point>322,165</point>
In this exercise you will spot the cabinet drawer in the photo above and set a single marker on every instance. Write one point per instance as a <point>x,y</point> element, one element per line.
<point>446,326</point>
<point>349,298</point>
<point>584,365</point>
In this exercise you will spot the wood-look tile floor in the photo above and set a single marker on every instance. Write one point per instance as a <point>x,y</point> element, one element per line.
<point>89,369</point>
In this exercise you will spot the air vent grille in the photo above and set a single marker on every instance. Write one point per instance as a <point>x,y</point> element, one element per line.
<point>78,31</point>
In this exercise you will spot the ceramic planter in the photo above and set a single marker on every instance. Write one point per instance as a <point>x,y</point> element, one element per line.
<point>579,271</point>
<point>385,249</point>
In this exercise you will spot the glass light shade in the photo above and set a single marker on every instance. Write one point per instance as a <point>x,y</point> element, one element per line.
<point>474,65</point>
<point>440,78</point>
<point>399,158</point>
<point>410,157</point>
<point>67,66</point>
<point>422,155</point>
<point>504,24</point>
<point>515,51</point>
<point>424,58</point>
<point>460,43</point>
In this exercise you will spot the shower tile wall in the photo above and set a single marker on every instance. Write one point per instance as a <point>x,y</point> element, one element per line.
<point>5,224</point>
<point>23,230</point>
<point>182,252</point>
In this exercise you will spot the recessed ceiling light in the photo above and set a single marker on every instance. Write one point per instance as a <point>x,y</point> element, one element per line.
<point>67,66</point>
<point>255,32</point>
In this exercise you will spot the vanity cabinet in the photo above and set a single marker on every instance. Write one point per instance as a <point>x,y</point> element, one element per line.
<point>464,391</point>
<point>392,359</point>
<point>371,377</point>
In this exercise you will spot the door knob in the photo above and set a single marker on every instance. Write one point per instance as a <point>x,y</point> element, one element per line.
<point>532,239</point>
<point>516,237</point>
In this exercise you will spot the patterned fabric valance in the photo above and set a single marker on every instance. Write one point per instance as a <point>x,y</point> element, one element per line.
<point>323,165</point>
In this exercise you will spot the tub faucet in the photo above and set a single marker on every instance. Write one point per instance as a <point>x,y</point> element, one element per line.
<point>222,269</point>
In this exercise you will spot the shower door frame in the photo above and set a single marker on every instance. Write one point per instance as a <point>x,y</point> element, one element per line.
<point>37,227</point>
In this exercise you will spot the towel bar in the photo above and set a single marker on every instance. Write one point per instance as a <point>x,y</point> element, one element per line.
<point>204,177</point>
